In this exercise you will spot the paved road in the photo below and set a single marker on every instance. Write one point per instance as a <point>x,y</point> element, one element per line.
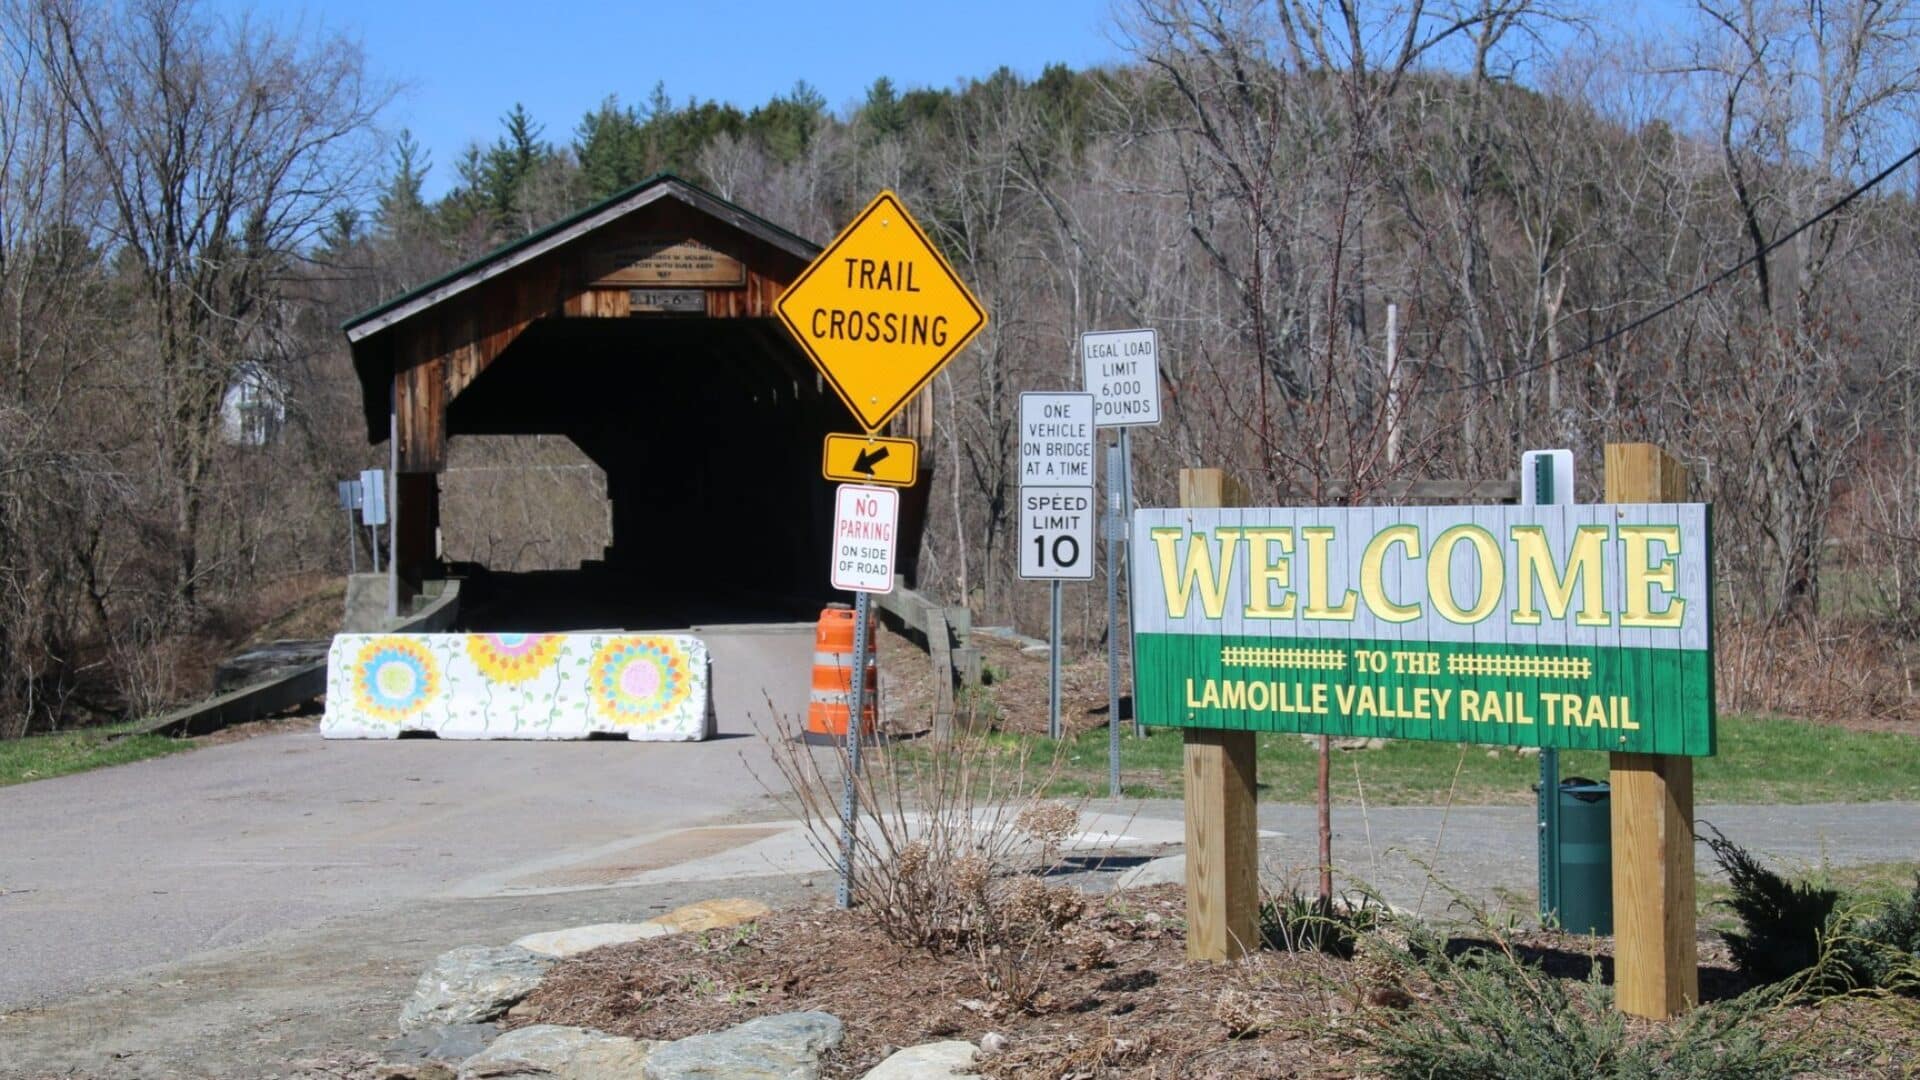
<point>113,870</point>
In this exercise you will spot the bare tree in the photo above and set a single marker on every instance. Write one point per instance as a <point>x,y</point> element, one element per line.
<point>223,148</point>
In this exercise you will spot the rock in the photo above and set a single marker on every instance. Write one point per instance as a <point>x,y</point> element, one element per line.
<point>447,1042</point>
<point>551,1052</point>
<point>952,1060</point>
<point>784,1047</point>
<point>578,939</point>
<point>709,915</point>
<point>1357,743</point>
<point>693,918</point>
<point>1528,751</point>
<point>993,1043</point>
<point>1495,754</point>
<point>472,984</point>
<point>424,1070</point>
<point>1171,870</point>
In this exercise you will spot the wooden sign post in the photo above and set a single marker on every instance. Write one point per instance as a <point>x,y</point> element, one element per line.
<point>1656,967</point>
<point>1223,832</point>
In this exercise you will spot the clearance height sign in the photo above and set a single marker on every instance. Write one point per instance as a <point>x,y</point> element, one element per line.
<point>1580,627</point>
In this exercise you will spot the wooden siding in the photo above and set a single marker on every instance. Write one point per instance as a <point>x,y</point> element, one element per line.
<point>439,352</point>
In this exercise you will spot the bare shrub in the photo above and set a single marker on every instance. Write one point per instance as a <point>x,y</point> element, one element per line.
<point>951,854</point>
<point>1814,670</point>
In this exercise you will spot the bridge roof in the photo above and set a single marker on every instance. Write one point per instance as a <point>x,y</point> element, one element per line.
<point>664,185</point>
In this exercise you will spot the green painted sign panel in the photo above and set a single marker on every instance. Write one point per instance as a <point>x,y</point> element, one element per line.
<point>1579,627</point>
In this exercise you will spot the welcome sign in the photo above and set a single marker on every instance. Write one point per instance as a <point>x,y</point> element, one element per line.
<point>1579,627</point>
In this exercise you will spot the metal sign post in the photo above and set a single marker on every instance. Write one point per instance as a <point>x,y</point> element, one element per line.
<point>856,714</point>
<point>1056,508</point>
<point>373,506</point>
<point>350,501</point>
<point>1120,567</point>
<point>1116,524</point>
<point>1121,369</point>
<point>1546,479</point>
<point>866,524</point>
<point>1053,669</point>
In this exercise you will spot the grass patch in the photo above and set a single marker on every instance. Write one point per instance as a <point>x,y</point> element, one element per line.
<point>1761,760</point>
<point>38,757</point>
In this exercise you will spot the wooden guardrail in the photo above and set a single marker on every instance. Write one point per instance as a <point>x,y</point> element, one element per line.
<point>287,689</point>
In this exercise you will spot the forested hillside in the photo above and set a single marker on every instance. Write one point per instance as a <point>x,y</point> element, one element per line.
<point>1403,246</point>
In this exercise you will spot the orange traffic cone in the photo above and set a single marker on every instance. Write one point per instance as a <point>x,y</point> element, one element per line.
<point>833,678</point>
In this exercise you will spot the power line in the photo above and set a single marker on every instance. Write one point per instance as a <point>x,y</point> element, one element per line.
<point>1696,291</point>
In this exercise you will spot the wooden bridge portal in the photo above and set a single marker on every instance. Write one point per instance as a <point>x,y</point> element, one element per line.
<point>643,330</point>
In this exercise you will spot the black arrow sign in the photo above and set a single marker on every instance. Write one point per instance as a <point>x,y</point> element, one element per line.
<point>868,459</point>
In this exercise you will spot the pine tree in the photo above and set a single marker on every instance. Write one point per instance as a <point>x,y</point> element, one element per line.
<point>882,116</point>
<point>612,148</point>
<point>402,208</point>
<point>512,159</point>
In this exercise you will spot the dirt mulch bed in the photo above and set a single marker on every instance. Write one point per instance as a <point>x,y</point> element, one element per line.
<point>304,718</point>
<point>1132,1007</point>
<point>1142,1010</point>
<point>1019,688</point>
<point>1014,698</point>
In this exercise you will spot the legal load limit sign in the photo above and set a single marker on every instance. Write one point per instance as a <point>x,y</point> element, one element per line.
<point>880,312</point>
<point>1121,369</point>
<point>866,524</point>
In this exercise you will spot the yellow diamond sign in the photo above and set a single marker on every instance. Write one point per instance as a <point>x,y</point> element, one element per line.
<point>880,312</point>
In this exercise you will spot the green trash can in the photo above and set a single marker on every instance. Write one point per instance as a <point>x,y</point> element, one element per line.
<point>1584,857</point>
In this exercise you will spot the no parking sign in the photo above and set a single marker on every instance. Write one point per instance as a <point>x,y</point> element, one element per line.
<point>866,526</point>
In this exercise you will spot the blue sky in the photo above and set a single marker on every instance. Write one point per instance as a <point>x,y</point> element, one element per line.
<point>465,64</point>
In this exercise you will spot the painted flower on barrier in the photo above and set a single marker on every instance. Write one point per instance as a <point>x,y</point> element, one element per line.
<point>395,678</point>
<point>637,680</point>
<point>513,658</point>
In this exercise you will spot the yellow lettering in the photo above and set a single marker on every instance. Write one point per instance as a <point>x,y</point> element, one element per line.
<point>1636,548</point>
<point>1318,538</point>
<point>1585,560</point>
<point>1178,582</point>
<point>1233,695</point>
<point>1493,574</point>
<point>1373,585</point>
<point>1267,573</point>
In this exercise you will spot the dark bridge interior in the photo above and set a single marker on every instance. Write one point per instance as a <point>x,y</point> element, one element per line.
<point>719,514</point>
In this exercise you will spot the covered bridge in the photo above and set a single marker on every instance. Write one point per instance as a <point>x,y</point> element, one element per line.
<point>642,329</point>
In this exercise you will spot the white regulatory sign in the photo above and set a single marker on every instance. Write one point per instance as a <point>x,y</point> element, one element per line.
<point>373,496</point>
<point>866,521</point>
<point>1122,372</point>
<point>1056,439</point>
<point>1056,532</point>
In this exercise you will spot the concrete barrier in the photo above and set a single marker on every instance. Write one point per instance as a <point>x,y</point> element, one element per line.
<point>653,687</point>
